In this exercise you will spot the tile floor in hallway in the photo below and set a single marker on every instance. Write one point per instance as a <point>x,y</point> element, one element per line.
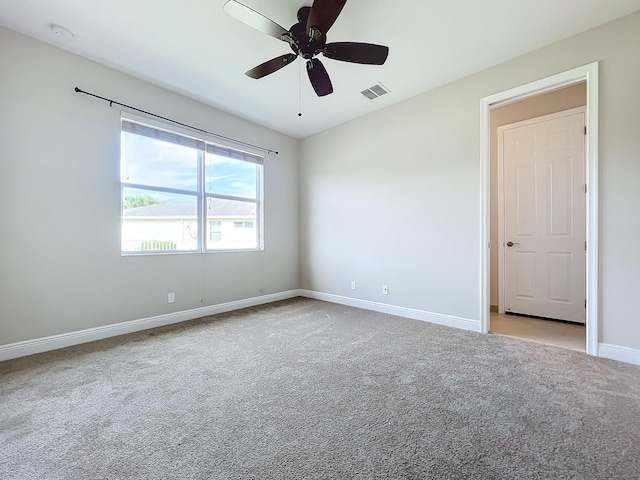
<point>560,334</point>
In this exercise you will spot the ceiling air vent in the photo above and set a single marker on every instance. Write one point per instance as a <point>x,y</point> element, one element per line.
<point>375,91</point>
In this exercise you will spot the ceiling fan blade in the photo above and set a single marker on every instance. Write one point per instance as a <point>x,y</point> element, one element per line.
<point>367,53</point>
<point>322,15</point>
<point>271,66</point>
<point>254,19</point>
<point>319,77</point>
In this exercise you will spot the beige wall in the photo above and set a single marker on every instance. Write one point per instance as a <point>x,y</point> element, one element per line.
<point>544,104</point>
<point>395,197</point>
<point>60,264</point>
<point>392,198</point>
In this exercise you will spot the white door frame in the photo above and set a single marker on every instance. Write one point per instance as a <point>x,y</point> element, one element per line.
<point>500,247</point>
<point>589,74</point>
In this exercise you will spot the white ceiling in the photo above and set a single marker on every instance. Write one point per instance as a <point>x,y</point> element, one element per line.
<point>194,48</point>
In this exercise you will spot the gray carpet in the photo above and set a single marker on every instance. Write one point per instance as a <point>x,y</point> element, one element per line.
<point>304,389</point>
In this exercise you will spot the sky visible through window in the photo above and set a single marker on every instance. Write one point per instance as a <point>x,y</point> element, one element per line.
<point>153,162</point>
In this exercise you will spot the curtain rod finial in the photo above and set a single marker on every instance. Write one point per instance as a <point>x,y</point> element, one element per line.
<point>77,90</point>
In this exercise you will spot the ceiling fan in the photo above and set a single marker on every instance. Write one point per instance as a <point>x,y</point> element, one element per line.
<point>307,39</point>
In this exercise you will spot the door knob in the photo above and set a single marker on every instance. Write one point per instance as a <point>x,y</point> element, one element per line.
<point>511,244</point>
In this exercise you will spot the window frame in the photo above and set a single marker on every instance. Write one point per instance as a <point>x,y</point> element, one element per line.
<point>211,145</point>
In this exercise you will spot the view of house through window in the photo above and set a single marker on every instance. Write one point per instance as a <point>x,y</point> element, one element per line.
<point>184,194</point>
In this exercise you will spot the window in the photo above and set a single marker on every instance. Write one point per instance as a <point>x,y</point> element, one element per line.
<point>215,230</point>
<point>245,224</point>
<point>185,194</point>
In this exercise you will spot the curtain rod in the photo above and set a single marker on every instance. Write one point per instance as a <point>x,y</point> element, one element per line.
<point>112,102</point>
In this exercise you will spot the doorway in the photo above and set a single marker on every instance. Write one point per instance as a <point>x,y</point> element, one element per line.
<point>581,84</point>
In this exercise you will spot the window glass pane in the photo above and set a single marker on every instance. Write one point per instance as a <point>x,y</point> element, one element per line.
<point>223,216</point>
<point>158,221</point>
<point>147,161</point>
<point>227,176</point>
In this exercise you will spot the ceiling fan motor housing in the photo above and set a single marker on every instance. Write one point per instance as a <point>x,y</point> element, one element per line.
<point>299,40</point>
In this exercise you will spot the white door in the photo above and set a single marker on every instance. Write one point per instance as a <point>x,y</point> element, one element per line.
<point>544,217</point>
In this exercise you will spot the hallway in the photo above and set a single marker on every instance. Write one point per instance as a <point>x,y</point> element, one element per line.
<point>550,332</point>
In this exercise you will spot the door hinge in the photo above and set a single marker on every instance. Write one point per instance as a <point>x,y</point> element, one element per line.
<point>585,188</point>
<point>585,246</point>
<point>585,129</point>
<point>585,304</point>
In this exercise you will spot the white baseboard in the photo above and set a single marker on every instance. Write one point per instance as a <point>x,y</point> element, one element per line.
<point>616,352</point>
<point>54,342</point>
<point>438,318</point>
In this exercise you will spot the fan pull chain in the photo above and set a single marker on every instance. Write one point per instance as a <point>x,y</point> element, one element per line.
<point>299,86</point>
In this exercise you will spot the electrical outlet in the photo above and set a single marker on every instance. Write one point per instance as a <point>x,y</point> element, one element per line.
<point>385,289</point>
<point>353,285</point>
<point>171,297</point>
